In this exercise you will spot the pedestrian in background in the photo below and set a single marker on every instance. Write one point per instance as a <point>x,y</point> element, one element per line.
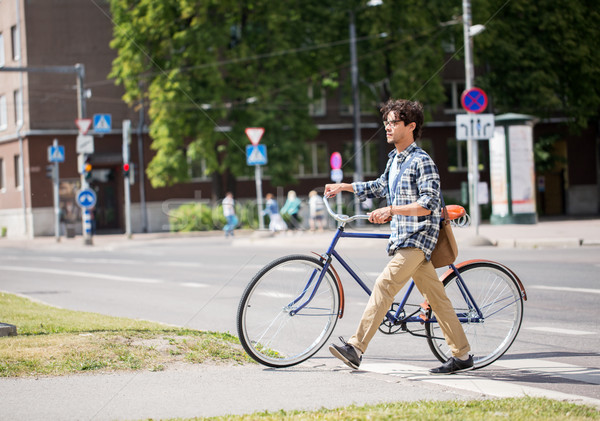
<point>276,222</point>
<point>291,208</point>
<point>229,213</point>
<point>316,209</point>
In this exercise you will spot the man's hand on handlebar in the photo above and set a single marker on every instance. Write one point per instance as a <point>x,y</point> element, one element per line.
<point>381,215</point>
<point>331,190</point>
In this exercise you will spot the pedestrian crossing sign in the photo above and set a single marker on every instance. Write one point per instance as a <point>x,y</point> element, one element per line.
<point>102,123</point>
<point>56,154</point>
<point>256,154</point>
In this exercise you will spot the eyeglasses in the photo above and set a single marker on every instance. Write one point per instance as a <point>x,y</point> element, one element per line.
<point>391,123</point>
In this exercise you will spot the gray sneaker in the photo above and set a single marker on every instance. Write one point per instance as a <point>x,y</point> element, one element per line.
<point>453,365</point>
<point>346,353</point>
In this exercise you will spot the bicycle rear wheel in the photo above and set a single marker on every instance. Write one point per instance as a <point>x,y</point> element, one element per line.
<point>269,330</point>
<point>498,296</point>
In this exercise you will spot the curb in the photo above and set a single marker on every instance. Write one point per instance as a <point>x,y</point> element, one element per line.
<point>7,330</point>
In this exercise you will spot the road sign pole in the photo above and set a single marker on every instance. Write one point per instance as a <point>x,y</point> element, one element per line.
<point>472,149</point>
<point>55,178</point>
<point>259,201</point>
<point>127,184</point>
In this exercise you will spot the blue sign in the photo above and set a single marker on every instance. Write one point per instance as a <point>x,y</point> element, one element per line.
<point>56,154</point>
<point>256,154</point>
<point>86,199</point>
<point>102,123</point>
<point>474,100</point>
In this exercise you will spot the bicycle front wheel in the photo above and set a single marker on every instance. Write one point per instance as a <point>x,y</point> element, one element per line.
<point>500,300</point>
<point>272,327</point>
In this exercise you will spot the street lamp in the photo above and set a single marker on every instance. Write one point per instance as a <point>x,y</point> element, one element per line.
<point>358,157</point>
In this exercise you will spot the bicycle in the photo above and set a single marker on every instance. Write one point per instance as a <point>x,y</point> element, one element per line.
<point>290,308</point>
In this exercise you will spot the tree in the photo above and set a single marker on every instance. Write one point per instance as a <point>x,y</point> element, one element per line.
<point>540,57</point>
<point>203,64</point>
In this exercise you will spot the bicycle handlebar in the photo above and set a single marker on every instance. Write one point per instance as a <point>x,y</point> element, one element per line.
<point>344,219</point>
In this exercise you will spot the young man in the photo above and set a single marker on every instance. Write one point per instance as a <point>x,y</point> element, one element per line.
<point>414,210</point>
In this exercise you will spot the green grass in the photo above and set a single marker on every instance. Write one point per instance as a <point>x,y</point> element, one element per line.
<point>513,409</point>
<point>53,341</point>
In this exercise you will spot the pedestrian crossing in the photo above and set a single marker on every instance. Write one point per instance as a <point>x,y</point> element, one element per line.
<point>478,382</point>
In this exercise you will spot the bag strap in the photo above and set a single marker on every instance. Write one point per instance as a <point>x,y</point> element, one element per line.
<point>404,166</point>
<point>443,209</point>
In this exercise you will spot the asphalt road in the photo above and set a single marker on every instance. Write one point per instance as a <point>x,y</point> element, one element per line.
<point>197,282</point>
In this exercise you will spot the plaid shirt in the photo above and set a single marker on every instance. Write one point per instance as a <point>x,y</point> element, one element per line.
<point>420,183</point>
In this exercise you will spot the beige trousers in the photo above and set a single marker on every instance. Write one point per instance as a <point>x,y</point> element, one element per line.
<point>410,263</point>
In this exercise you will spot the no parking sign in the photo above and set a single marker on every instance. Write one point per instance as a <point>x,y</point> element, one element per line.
<point>474,100</point>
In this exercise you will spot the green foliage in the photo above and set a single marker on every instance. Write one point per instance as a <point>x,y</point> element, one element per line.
<point>541,57</point>
<point>200,65</point>
<point>200,217</point>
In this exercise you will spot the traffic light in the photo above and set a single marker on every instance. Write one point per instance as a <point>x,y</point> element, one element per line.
<point>50,171</point>
<point>126,168</point>
<point>87,168</point>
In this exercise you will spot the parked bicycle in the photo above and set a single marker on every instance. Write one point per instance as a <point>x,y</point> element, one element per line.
<point>290,308</point>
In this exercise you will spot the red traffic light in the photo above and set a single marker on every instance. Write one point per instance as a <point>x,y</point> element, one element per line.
<point>126,167</point>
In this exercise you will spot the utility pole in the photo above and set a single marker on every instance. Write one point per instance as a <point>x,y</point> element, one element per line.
<point>358,157</point>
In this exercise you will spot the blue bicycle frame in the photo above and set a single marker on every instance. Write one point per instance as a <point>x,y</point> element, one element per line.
<point>473,315</point>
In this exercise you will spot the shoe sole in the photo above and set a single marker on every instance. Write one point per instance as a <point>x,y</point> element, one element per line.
<point>339,356</point>
<point>452,372</point>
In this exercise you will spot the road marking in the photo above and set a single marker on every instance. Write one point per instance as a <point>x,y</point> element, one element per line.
<point>552,368</point>
<point>561,331</point>
<point>194,285</point>
<point>501,389</point>
<point>567,289</point>
<point>83,274</point>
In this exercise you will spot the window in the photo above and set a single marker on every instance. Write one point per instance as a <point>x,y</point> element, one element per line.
<point>18,172</point>
<point>453,90</point>
<point>369,156</point>
<point>2,60</point>
<point>318,105</point>
<point>457,155</point>
<point>316,163</point>
<point>1,174</point>
<point>3,117</point>
<point>16,44</point>
<point>197,168</point>
<point>18,101</point>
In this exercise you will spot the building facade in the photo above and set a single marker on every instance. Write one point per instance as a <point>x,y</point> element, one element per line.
<point>45,43</point>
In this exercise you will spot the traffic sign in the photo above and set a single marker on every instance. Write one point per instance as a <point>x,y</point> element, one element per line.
<point>256,154</point>
<point>86,198</point>
<point>335,161</point>
<point>56,153</point>
<point>474,100</point>
<point>254,134</point>
<point>337,175</point>
<point>102,123</point>
<point>83,124</point>
<point>85,144</point>
<point>474,126</point>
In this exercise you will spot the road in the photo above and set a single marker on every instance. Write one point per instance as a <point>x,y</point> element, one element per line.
<point>196,282</point>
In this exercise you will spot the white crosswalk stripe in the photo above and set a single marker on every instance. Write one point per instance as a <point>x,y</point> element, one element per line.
<point>497,388</point>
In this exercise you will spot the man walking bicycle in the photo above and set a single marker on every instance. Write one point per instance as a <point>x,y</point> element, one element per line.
<point>411,183</point>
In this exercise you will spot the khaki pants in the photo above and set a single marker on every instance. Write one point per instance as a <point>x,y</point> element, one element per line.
<point>410,263</point>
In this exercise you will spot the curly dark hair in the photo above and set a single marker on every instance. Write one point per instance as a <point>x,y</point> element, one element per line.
<point>407,111</point>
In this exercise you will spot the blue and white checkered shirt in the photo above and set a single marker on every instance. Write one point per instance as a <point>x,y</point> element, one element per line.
<point>420,183</point>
